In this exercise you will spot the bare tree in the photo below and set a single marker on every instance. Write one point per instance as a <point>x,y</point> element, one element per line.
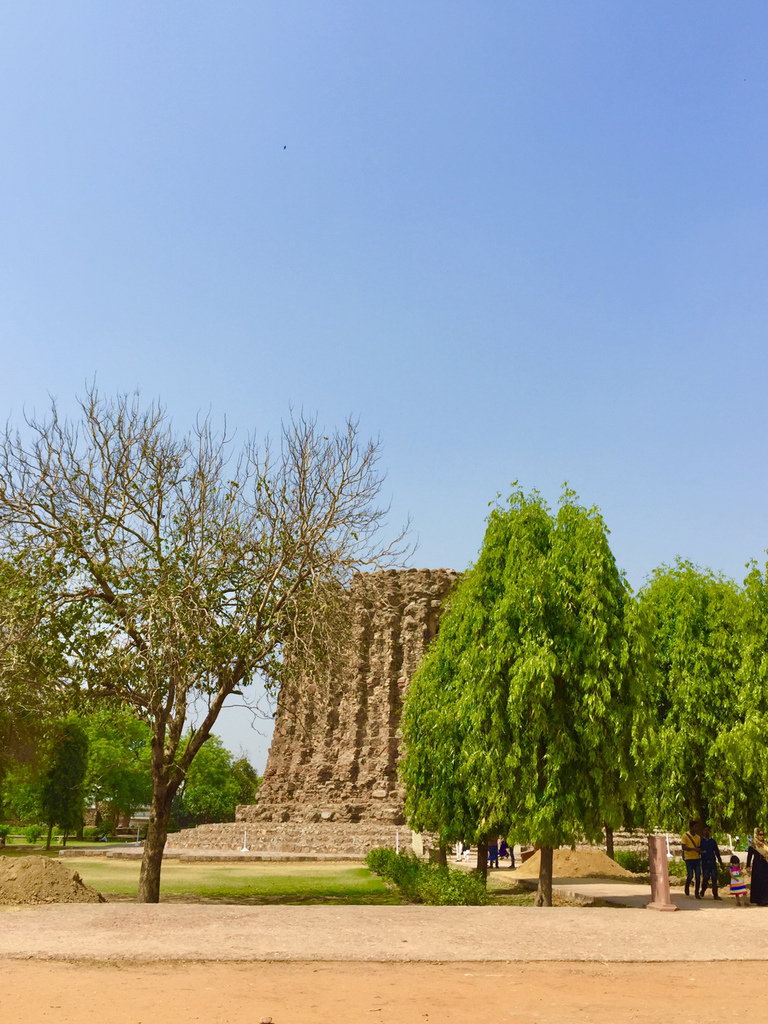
<point>187,565</point>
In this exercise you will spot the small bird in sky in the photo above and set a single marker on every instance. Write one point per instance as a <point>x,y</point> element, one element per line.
<point>285,147</point>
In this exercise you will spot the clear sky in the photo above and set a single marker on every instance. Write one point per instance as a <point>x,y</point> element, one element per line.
<point>519,240</point>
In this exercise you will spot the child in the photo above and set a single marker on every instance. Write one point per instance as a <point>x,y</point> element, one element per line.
<point>738,887</point>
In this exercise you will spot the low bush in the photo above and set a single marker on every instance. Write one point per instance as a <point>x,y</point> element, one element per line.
<point>632,861</point>
<point>5,831</point>
<point>432,884</point>
<point>677,868</point>
<point>96,833</point>
<point>32,834</point>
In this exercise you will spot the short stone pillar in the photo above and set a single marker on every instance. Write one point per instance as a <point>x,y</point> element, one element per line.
<point>657,859</point>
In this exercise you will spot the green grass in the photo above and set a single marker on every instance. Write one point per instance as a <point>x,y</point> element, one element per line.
<point>249,883</point>
<point>20,848</point>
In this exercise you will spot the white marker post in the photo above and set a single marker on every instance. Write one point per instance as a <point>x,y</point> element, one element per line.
<point>245,842</point>
<point>397,840</point>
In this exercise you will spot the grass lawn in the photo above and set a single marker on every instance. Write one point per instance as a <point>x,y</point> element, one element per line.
<point>18,848</point>
<point>249,883</point>
<point>261,883</point>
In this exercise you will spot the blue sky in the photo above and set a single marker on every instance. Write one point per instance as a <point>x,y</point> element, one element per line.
<point>519,240</point>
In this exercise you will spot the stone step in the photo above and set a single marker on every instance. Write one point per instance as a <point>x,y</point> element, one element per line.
<point>290,837</point>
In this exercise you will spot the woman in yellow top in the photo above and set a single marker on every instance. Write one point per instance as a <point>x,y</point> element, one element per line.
<point>692,858</point>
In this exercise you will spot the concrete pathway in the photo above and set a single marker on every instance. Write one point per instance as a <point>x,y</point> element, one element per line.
<point>173,932</point>
<point>632,894</point>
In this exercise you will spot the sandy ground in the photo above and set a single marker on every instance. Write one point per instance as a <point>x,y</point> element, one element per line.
<point>574,864</point>
<point>350,993</point>
<point>121,932</point>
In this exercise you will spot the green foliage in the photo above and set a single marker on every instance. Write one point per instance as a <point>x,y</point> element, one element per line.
<point>632,861</point>
<point>22,794</point>
<point>96,833</point>
<point>738,789</point>
<point>118,778</point>
<point>5,831</point>
<point>215,784</point>
<point>62,790</point>
<point>32,834</point>
<point>520,718</point>
<point>247,779</point>
<point>690,746</point>
<point>432,884</point>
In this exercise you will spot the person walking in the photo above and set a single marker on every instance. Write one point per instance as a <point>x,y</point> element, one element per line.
<point>757,861</point>
<point>692,857</point>
<point>493,853</point>
<point>710,857</point>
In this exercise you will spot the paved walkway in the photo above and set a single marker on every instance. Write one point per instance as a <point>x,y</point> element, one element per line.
<point>631,894</point>
<point>172,932</point>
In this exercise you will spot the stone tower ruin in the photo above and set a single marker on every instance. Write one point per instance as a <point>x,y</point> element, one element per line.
<point>331,782</point>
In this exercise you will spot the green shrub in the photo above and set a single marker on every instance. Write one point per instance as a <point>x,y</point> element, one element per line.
<point>32,834</point>
<point>632,861</point>
<point>677,868</point>
<point>4,833</point>
<point>432,884</point>
<point>95,833</point>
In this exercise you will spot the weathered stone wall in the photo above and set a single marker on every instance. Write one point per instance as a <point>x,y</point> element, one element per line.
<point>331,778</point>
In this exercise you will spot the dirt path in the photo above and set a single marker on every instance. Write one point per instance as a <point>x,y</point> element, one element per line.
<point>350,993</point>
<point>124,932</point>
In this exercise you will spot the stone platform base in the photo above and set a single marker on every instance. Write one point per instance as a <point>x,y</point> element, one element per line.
<point>323,837</point>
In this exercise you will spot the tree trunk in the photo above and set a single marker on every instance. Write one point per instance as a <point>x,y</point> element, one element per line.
<point>64,838</point>
<point>442,855</point>
<point>544,892</point>
<point>154,844</point>
<point>609,841</point>
<point>48,840</point>
<point>482,860</point>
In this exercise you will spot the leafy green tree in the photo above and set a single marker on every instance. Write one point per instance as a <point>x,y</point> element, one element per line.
<point>210,790</point>
<point>520,719</point>
<point>22,790</point>
<point>736,786</point>
<point>696,619</point>
<point>190,565</point>
<point>248,780</point>
<point>119,778</point>
<point>63,788</point>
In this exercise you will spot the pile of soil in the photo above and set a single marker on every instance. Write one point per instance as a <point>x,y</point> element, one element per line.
<point>575,864</point>
<point>42,880</point>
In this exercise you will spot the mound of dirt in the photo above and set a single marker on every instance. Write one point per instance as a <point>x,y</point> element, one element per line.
<point>575,864</point>
<point>42,880</point>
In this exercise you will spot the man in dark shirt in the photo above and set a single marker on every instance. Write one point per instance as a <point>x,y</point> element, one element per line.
<point>710,855</point>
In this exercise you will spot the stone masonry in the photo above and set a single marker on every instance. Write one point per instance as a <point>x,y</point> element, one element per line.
<point>331,783</point>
